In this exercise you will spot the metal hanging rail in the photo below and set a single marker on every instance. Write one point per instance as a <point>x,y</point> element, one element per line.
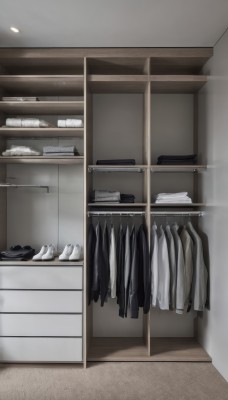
<point>178,213</point>
<point>143,213</point>
<point>14,185</point>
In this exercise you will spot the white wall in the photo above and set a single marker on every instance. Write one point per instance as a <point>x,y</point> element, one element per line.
<point>213,130</point>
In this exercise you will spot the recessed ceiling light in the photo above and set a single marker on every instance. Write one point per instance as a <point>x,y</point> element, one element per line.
<point>13,29</point>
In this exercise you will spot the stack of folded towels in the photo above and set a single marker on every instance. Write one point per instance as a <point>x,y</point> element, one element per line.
<point>106,196</point>
<point>60,151</point>
<point>26,123</point>
<point>70,123</point>
<point>20,151</point>
<point>173,198</point>
<point>177,160</point>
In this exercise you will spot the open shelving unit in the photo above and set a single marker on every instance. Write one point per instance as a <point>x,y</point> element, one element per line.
<point>86,73</point>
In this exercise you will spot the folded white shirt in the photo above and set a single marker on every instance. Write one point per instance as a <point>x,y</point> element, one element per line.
<point>174,201</point>
<point>26,123</point>
<point>70,123</point>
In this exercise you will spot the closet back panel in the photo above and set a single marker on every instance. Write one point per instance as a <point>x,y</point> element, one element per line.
<point>36,217</point>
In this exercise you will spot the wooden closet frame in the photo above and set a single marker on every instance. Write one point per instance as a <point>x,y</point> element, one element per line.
<point>42,71</point>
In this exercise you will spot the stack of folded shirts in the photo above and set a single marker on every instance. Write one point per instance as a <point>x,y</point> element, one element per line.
<point>20,151</point>
<point>177,160</point>
<point>126,161</point>
<point>70,123</point>
<point>26,123</point>
<point>105,196</point>
<point>60,151</point>
<point>11,98</point>
<point>127,198</point>
<point>173,198</point>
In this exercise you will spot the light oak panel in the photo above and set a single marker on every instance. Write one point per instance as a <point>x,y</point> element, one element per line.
<point>41,132</point>
<point>42,107</point>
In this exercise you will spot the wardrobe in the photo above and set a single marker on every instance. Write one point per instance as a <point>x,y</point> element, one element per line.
<point>136,103</point>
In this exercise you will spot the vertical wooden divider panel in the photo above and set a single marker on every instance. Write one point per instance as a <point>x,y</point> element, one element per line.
<point>88,159</point>
<point>146,194</point>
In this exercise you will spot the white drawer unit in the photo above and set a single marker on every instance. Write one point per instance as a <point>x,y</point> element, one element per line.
<point>32,301</point>
<point>14,349</point>
<point>40,325</point>
<point>45,277</point>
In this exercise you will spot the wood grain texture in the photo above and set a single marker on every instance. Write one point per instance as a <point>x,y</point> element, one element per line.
<point>42,107</point>
<point>41,132</point>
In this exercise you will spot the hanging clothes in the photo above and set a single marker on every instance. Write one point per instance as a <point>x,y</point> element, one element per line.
<point>154,265</point>
<point>91,250</point>
<point>187,245</point>
<point>200,274</point>
<point>120,270</point>
<point>144,286</point>
<point>180,268</point>
<point>172,266</point>
<point>163,272</point>
<point>133,288</point>
<point>113,263</point>
<point>106,268</point>
<point>127,269</point>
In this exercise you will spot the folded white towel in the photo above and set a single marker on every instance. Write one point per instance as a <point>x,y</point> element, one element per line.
<point>172,195</point>
<point>70,123</point>
<point>174,201</point>
<point>30,123</point>
<point>20,151</point>
<point>13,122</point>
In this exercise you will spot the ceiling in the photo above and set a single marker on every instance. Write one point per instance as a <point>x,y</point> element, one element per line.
<point>112,23</point>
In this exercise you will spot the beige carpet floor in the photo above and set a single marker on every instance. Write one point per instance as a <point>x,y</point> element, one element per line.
<point>113,381</point>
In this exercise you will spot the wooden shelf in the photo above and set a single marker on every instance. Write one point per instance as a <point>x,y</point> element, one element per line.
<point>117,83</point>
<point>180,205</point>
<point>113,205</point>
<point>37,85</point>
<point>41,132</point>
<point>134,349</point>
<point>177,83</point>
<point>52,263</point>
<point>42,107</point>
<point>42,160</point>
<point>177,168</point>
<point>117,168</point>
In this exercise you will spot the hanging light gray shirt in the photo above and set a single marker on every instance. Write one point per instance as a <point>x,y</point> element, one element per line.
<point>200,274</point>
<point>187,245</point>
<point>180,268</point>
<point>112,262</point>
<point>154,265</point>
<point>163,272</point>
<point>172,266</point>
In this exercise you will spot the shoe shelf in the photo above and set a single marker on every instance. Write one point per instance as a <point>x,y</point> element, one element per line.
<point>42,160</point>
<point>42,107</point>
<point>47,85</point>
<point>41,132</point>
<point>117,168</point>
<point>51,263</point>
<point>177,168</point>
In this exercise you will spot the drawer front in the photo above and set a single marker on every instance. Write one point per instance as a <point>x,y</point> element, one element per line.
<point>40,301</point>
<point>30,277</point>
<point>40,325</point>
<point>40,349</point>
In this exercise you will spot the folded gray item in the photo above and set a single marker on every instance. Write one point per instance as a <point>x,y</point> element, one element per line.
<point>105,195</point>
<point>58,154</point>
<point>26,123</point>
<point>60,149</point>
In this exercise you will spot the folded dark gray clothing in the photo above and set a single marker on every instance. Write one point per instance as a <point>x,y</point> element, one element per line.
<point>105,201</point>
<point>60,149</point>
<point>178,157</point>
<point>58,154</point>
<point>125,161</point>
<point>17,253</point>
<point>127,200</point>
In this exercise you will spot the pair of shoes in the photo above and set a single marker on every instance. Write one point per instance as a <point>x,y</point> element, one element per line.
<point>70,253</point>
<point>46,253</point>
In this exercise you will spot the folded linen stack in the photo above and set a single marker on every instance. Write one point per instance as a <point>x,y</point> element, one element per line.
<point>57,151</point>
<point>177,160</point>
<point>173,198</point>
<point>20,151</point>
<point>70,123</point>
<point>126,161</point>
<point>26,123</point>
<point>105,196</point>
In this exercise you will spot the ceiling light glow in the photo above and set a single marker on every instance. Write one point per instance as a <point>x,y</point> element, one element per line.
<point>13,29</point>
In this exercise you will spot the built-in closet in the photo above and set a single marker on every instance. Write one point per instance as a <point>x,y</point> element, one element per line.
<point>137,103</point>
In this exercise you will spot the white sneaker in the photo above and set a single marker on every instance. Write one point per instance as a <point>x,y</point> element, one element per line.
<point>76,253</point>
<point>39,255</point>
<point>49,255</point>
<point>66,252</point>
